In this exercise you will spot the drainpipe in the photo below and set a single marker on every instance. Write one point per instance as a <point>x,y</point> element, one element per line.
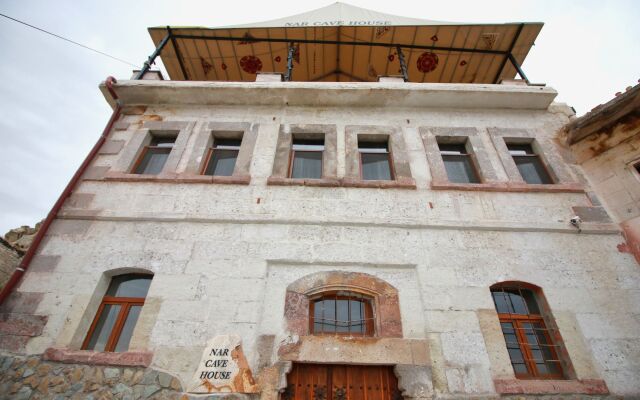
<point>26,260</point>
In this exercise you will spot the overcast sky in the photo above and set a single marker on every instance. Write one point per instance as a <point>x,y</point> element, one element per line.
<point>51,111</point>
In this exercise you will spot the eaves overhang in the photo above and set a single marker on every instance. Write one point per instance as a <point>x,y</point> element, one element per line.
<point>622,109</point>
<point>328,94</point>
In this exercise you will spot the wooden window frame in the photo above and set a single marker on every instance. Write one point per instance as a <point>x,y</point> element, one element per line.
<point>125,304</point>
<point>533,155</point>
<point>517,321</point>
<point>369,319</point>
<point>389,153</point>
<point>211,151</point>
<point>144,152</point>
<point>292,155</point>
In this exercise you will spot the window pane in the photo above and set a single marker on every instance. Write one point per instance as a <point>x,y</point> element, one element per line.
<point>104,327</point>
<point>342,307</point>
<point>532,170</point>
<point>127,329</point>
<point>375,166</point>
<point>517,302</point>
<point>548,353</point>
<point>452,148</point>
<point>530,299</point>
<point>163,142</point>
<point>503,305</point>
<point>227,144</point>
<point>520,149</point>
<point>534,348</point>
<point>329,315</point>
<point>314,145</point>
<point>357,316</point>
<point>317,316</point>
<point>307,165</point>
<point>129,286</point>
<point>513,347</point>
<point>222,162</point>
<point>343,315</point>
<point>153,161</point>
<point>460,169</point>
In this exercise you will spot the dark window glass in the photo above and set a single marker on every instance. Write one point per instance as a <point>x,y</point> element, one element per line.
<point>127,329</point>
<point>529,164</point>
<point>458,163</point>
<point>533,354</point>
<point>104,327</point>
<point>342,313</point>
<point>306,159</point>
<point>112,328</point>
<point>154,156</point>
<point>222,157</point>
<point>513,347</point>
<point>129,286</point>
<point>375,161</point>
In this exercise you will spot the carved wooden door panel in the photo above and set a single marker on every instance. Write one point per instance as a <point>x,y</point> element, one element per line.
<point>341,382</point>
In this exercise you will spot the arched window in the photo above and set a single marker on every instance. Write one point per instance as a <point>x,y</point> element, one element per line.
<point>531,345</point>
<point>341,313</point>
<point>113,325</point>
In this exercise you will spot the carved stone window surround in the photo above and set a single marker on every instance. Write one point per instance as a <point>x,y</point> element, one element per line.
<point>281,164</point>
<point>431,136</point>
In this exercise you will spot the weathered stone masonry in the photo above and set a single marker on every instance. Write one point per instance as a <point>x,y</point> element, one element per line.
<point>227,258</point>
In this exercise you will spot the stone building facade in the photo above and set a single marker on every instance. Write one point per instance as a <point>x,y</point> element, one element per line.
<point>235,268</point>
<point>606,144</point>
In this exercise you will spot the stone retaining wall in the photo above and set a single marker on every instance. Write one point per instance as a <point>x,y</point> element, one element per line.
<point>31,378</point>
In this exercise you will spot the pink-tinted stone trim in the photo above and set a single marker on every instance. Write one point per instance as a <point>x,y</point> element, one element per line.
<point>399,183</point>
<point>128,358</point>
<point>324,182</point>
<point>523,386</point>
<point>178,178</point>
<point>296,312</point>
<point>509,187</point>
<point>22,324</point>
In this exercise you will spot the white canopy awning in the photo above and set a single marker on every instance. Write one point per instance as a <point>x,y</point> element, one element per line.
<point>344,43</point>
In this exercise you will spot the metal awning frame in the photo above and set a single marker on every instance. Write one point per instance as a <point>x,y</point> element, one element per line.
<point>508,56</point>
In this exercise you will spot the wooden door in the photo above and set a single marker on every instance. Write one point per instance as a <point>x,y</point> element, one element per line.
<point>341,382</point>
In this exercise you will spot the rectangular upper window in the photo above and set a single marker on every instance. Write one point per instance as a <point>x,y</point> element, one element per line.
<point>375,161</point>
<point>221,160</point>
<point>154,156</point>
<point>458,163</point>
<point>529,164</point>
<point>306,159</point>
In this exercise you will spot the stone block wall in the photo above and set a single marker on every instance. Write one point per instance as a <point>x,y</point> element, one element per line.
<point>9,260</point>
<point>223,255</point>
<point>23,378</point>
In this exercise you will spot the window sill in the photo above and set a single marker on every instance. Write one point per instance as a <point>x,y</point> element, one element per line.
<point>406,183</point>
<point>523,386</point>
<point>323,182</point>
<point>400,183</point>
<point>177,178</point>
<point>127,358</point>
<point>509,187</point>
